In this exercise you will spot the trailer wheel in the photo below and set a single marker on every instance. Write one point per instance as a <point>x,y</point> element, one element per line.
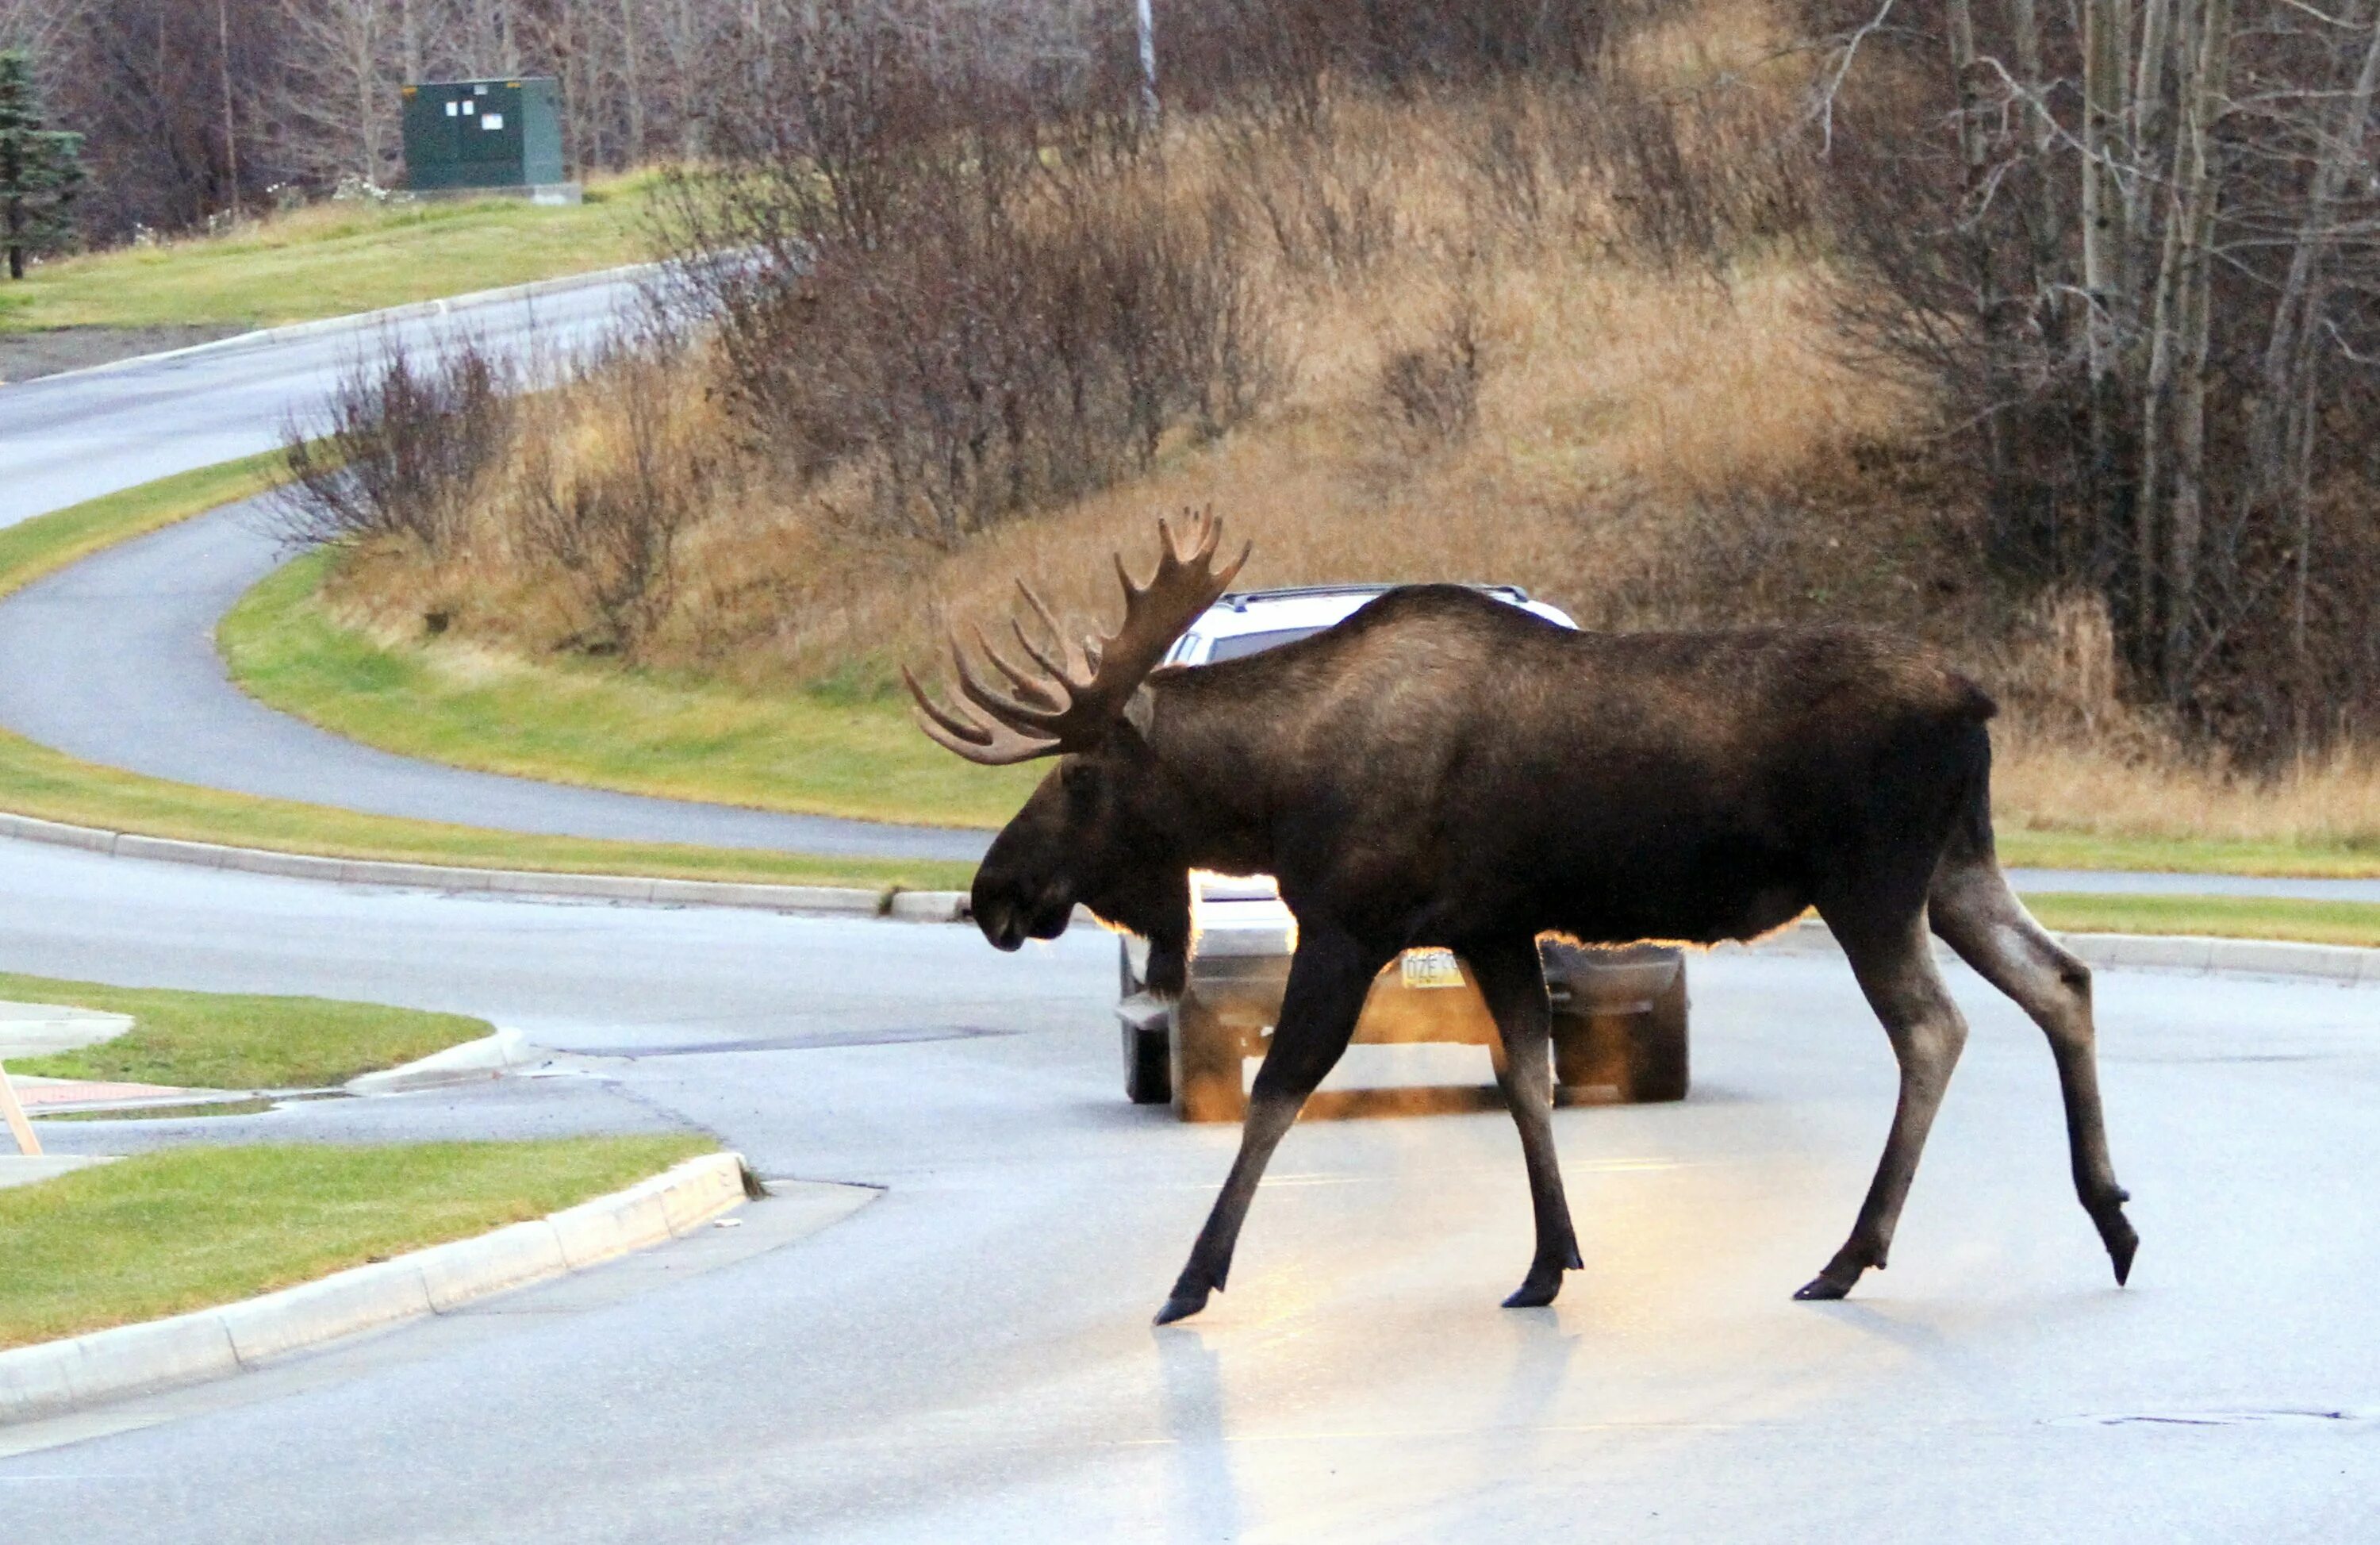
<point>1657,1047</point>
<point>1148,1063</point>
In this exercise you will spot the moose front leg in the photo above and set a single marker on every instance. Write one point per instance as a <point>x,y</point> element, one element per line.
<point>1328,978</point>
<point>1511,977</point>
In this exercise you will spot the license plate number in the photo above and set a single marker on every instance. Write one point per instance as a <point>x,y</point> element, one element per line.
<point>1432,969</point>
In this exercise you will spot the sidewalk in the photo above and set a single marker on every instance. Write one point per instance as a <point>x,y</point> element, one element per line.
<point>38,1029</point>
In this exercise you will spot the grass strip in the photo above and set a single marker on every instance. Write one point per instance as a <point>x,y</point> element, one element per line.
<point>38,781</point>
<point>2084,850</point>
<point>2310,923</point>
<point>335,259</point>
<point>598,726</point>
<point>164,1234</point>
<point>237,1040</point>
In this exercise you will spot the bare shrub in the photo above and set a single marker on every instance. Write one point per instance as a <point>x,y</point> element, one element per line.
<point>397,447</point>
<point>1323,189</point>
<point>611,526</point>
<point>968,317</point>
<point>1430,391</point>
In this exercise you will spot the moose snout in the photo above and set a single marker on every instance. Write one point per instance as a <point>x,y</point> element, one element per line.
<point>1002,924</point>
<point>1010,914</point>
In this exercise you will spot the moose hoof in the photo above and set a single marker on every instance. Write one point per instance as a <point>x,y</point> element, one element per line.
<point>2122,1241</point>
<point>1182,1306</point>
<point>1824,1289</point>
<point>1533,1295</point>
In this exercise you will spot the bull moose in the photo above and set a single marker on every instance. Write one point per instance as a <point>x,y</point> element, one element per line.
<point>1441,769</point>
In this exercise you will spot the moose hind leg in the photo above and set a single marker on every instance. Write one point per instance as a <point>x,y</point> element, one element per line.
<point>1896,970</point>
<point>1976,915</point>
<point>1328,978</point>
<point>1511,977</point>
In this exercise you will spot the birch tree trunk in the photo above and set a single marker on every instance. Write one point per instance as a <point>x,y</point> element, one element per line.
<point>1975,152</point>
<point>2193,315</point>
<point>2106,29</point>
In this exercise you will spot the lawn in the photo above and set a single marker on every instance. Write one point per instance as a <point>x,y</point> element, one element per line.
<point>2082,850</point>
<point>574,723</point>
<point>37,781</point>
<point>2312,922</point>
<point>166,1232</point>
<point>334,259</point>
<point>236,1041</point>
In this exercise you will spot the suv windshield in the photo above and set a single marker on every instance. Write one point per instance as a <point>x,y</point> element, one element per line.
<point>1256,643</point>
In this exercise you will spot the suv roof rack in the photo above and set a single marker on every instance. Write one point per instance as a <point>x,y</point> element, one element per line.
<point>1238,600</point>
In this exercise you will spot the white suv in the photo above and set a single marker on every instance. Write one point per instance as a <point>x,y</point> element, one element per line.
<point>1249,622</point>
<point>1619,1014</point>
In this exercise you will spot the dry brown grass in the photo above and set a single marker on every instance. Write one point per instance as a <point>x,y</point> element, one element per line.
<point>2329,803</point>
<point>2072,756</point>
<point>1626,416</point>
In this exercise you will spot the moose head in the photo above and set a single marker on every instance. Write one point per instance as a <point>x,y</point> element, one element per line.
<point>1105,829</point>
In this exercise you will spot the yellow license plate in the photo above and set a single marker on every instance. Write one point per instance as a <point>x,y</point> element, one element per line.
<point>1432,969</point>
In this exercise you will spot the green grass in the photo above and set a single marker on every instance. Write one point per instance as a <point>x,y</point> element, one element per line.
<point>237,1040</point>
<point>2085,851</point>
<point>2312,922</point>
<point>37,781</point>
<point>331,260</point>
<point>166,1232</point>
<point>569,722</point>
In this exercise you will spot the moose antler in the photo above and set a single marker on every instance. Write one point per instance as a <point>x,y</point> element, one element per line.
<point>1071,693</point>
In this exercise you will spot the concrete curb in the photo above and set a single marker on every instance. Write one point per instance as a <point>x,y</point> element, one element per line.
<point>490,1056</point>
<point>907,905</point>
<point>358,321</point>
<point>2154,952</point>
<point>52,1377</point>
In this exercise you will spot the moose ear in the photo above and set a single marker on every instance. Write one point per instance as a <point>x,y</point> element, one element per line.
<point>1140,709</point>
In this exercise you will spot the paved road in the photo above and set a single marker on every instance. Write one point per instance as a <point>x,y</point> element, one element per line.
<point>969,1357</point>
<point>113,661</point>
<point>67,438</point>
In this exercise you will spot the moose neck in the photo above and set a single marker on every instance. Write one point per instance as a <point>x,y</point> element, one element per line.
<point>1210,751</point>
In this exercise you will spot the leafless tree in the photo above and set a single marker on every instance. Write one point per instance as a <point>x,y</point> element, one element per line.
<point>335,102</point>
<point>2138,244</point>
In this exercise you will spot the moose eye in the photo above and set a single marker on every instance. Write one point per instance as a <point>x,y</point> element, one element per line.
<point>1081,778</point>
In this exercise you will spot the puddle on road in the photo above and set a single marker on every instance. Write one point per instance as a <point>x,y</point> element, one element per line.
<point>2313,1415</point>
<point>828,1040</point>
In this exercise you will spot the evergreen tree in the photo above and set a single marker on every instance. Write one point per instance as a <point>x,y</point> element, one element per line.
<point>41,169</point>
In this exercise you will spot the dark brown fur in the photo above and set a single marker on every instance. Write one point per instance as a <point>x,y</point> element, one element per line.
<point>1444,769</point>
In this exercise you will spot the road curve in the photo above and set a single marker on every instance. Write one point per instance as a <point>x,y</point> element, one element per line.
<point>969,1358</point>
<point>113,660</point>
<point>75,436</point>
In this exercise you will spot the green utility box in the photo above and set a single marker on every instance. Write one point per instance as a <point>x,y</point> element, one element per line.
<point>486,136</point>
